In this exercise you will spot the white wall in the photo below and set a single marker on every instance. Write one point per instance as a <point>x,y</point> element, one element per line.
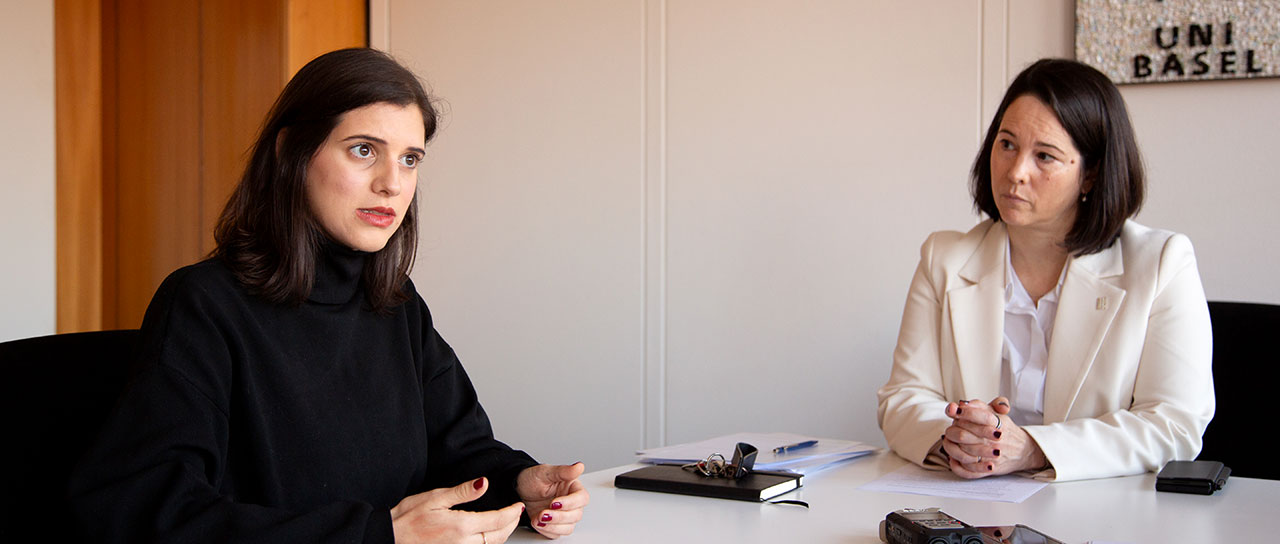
<point>810,149</point>
<point>648,221</point>
<point>643,216</point>
<point>27,304</point>
<point>531,252</point>
<point>1211,151</point>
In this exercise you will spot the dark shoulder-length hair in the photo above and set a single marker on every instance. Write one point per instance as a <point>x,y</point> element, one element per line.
<point>267,233</point>
<point>1090,108</point>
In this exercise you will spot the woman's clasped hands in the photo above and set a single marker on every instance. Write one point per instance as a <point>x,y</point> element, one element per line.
<point>551,494</point>
<point>983,441</point>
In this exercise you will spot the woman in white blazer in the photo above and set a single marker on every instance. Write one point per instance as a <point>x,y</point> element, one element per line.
<point>1057,338</point>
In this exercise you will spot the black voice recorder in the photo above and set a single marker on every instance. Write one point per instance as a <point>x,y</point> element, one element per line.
<point>926,526</point>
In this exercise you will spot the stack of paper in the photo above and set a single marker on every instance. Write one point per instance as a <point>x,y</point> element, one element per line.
<point>807,460</point>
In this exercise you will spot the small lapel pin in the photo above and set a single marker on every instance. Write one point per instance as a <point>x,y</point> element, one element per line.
<point>1102,303</point>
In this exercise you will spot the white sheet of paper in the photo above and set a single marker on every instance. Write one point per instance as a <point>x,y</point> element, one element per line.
<point>804,461</point>
<point>938,483</point>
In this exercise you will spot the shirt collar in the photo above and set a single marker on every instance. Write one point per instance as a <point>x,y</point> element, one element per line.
<point>1015,295</point>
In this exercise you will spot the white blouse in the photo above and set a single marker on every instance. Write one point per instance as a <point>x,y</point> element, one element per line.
<point>1028,329</point>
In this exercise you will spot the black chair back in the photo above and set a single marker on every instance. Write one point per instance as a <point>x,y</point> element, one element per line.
<point>55,394</point>
<point>1245,373</point>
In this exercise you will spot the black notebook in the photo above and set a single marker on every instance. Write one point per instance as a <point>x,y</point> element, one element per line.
<point>755,486</point>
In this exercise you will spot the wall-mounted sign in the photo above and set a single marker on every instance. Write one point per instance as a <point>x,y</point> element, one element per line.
<point>1138,41</point>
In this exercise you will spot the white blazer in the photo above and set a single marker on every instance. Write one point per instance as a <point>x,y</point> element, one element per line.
<point>1128,384</point>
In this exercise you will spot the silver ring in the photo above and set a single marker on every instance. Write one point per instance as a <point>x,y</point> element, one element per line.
<point>998,420</point>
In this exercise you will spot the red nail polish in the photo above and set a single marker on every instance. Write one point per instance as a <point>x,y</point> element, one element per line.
<point>541,524</point>
<point>545,517</point>
<point>989,467</point>
<point>479,483</point>
<point>556,505</point>
<point>997,434</point>
<point>996,453</point>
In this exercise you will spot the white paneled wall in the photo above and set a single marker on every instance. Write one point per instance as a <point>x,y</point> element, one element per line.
<point>811,147</point>
<point>531,254</point>
<point>652,221</point>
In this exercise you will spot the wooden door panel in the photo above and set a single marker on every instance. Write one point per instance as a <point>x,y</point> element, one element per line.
<point>78,90</point>
<point>242,71</point>
<point>157,137</point>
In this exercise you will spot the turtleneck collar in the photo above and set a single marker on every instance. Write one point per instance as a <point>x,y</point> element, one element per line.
<point>339,270</point>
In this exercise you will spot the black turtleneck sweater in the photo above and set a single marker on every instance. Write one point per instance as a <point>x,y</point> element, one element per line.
<point>257,422</point>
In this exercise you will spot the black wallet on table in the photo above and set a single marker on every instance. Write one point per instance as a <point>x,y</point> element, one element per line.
<point>1199,477</point>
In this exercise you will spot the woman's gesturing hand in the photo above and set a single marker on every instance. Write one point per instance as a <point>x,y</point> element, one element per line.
<point>983,441</point>
<point>553,497</point>
<point>428,517</point>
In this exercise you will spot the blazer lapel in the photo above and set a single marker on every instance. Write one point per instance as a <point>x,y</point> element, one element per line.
<point>1086,308</point>
<point>977,317</point>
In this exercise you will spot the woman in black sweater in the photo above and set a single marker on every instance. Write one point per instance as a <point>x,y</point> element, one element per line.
<point>292,387</point>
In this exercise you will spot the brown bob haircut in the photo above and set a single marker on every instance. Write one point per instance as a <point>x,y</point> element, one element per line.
<point>1093,113</point>
<point>267,234</point>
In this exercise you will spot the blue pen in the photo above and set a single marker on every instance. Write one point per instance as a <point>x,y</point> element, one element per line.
<point>791,447</point>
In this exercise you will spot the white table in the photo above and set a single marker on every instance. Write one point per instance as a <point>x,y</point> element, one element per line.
<point>1116,509</point>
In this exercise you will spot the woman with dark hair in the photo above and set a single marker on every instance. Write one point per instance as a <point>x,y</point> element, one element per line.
<point>1088,332</point>
<point>292,387</point>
